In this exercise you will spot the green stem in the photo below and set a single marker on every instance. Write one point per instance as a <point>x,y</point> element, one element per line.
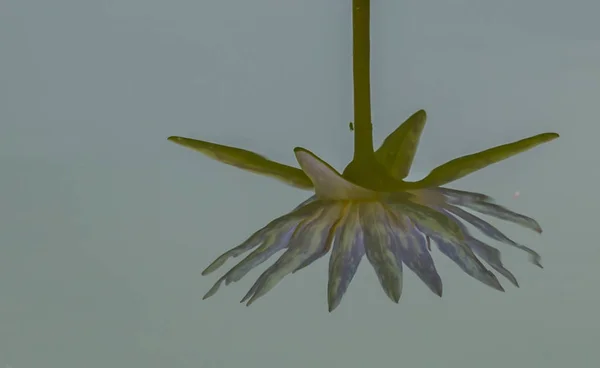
<point>363,128</point>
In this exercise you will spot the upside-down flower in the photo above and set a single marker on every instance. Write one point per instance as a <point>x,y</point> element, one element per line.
<point>392,228</point>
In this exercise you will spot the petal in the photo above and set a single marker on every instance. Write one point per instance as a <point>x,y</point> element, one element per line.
<point>503,213</point>
<point>258,237</point>
<point>327,246</point>
<point>309,239</point>
<point>348,250</point>
<point>461,196</point>
<point>311,199</point>
<point>252,242</point>
<point>488,253</point>
<point>435,221</point>
<point>380,251</point>
<point>247,160</point>
<point>492,232</point>
<point>411,249</point>
<point>275,241</point>
<point>459,252</point>
<point>329,184</point>
<point>275,237</point>
<point>465,165</point>
<point>491,256</point>
<point>464,257</point>
<point>398,149</point>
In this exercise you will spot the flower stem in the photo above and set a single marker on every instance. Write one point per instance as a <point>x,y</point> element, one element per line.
<point>363,128</point>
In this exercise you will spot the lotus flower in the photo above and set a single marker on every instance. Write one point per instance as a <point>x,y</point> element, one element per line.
<point>374,214</point>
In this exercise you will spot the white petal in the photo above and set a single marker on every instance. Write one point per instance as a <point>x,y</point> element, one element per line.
<point>329,184</point>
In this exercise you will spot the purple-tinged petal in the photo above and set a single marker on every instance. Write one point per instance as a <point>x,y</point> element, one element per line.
<point>258,237</point>
<point>346,254</point>
<point>411,249</point>
<point>497,211</point>
<point>380,250</point>
<point>491,256</point>
<point>329,242</point>
<point>459,252</point>
<point>273,238</point>
<point>252,242</point>
<point>278,240</point>
<point>461,196</point>
<point>481,225</point>
<point>310,200</point>
<point>310,238</point>
<point>503,213</point>
<point>464,257</point>
<point>435,221</point>
<point>488,253</point>
<point>275,241</point>
<point>492,232</point>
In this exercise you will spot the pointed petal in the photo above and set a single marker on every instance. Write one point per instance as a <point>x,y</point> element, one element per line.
<point>491,256</point>
<point>398,149</point>
<point>411,249</point>
<point>275,240</point>
<point>309,239</point>
<point>379,249</point>
<point>491,231</point>
<point>435,221</point>
<point>252,242</point>
<point>461,196</point>
<point>329,242</point>
<point>258,237</point>
<point>465,165</point>
<point>459,252</point>
<point>329,184</point>
<point>464,257</point>
<point>346,254</point>
<point>470,200</point>
<point>503,213</point>
<point>488,253</point>
<point>309,200</point>
<point>274,237</point>
<point>247,160</point>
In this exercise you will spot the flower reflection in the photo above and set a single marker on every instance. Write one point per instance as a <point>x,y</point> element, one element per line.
<point>392,228</point>
<point>389,228</point>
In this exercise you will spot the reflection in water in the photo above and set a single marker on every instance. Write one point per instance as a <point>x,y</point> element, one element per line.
<point>390,227</point>
<point>369,210</point>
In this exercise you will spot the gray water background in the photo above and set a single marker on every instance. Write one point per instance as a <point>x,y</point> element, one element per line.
<point>105,225</point>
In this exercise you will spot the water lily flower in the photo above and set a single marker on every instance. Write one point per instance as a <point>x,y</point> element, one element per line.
<point>369,210</point>
<point>391,225</point>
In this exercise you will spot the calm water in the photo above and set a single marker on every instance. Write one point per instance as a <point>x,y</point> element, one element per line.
<point>105,226</point>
